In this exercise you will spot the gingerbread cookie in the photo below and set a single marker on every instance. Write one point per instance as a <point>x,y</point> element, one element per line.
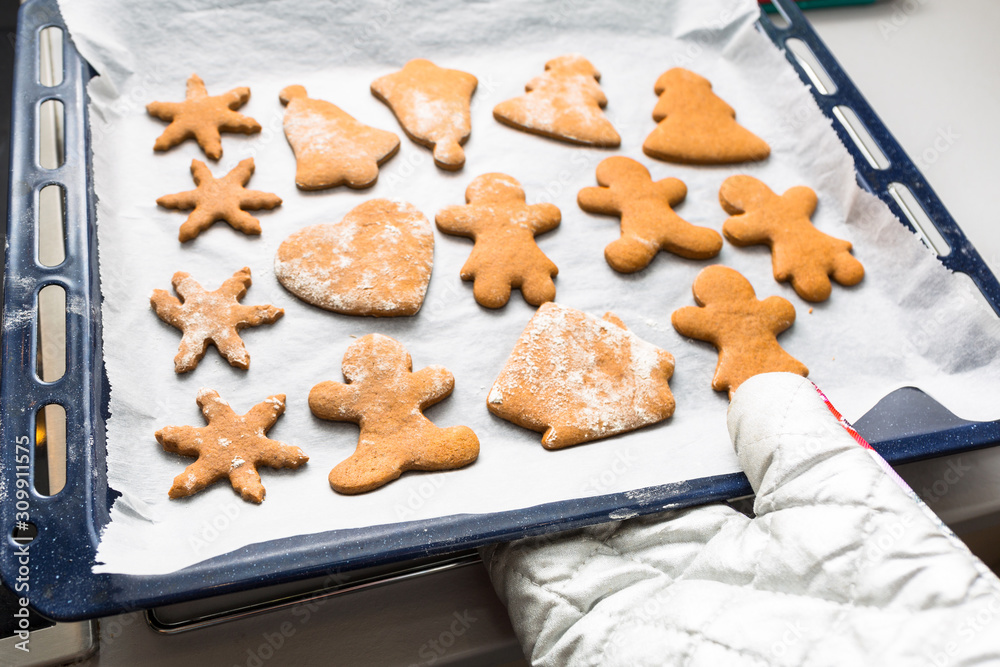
<point>696,126</point>
<point>505,255</point>
<point>203,117</point>
<point>743,329</point>
<point>564,103</point>
<point>376,261</point>
<point>385,398</point>
<point>576,378</point>
<point>220,199</point>
<point>230,446</point>
<point>211,317</point>
<point>331,147</point>
<point>648,221</point>
<point>432,106</point>
<point>800,253</point>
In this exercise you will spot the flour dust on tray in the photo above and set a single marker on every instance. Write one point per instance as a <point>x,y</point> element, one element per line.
<point>432,106</point>
<point>576,378</point>
<point>386,399</point>
<point>331,147</point>
<point>564,103</point>
<point>376,261</point>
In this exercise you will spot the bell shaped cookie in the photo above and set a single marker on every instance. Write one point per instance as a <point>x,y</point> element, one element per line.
<point>331,147</point>
<point>432,106</point>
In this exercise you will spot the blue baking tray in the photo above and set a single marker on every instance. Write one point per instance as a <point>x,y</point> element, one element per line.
<point>905,426</point>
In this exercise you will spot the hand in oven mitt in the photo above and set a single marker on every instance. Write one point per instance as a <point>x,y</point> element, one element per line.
<point>840,566</point>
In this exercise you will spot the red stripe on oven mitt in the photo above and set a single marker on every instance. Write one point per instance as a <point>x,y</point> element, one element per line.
<point>840,565</point>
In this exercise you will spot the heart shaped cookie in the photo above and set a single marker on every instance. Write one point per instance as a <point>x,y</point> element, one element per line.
<point>376,261</point>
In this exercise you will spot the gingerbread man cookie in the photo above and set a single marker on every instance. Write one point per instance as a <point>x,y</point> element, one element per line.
<point>564,103</point>
<point>576,378</point>
<point>385,398</point>
<point>696,126</point>
<point>432,106</point>
<point>800,253</point>
<point>505,255</point>
<point>211,317</point>
<point>231,446</point>
<point>331,147</point>
<point>648,221</point>
<point>743,329</point>
<point>220,199</point>
<point>203,117</point>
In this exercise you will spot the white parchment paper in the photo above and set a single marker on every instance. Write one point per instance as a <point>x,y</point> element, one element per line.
<point>910,322</point>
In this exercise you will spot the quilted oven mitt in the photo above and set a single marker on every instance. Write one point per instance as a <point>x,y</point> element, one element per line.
<point>841,566</point>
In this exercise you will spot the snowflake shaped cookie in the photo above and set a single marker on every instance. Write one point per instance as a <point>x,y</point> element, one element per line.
<point>202,117</point>
<point>211,317</point>
<point>223,198</point>
<point>231,446</point>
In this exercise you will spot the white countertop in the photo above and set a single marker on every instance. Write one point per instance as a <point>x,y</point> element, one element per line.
<point>929,69</point>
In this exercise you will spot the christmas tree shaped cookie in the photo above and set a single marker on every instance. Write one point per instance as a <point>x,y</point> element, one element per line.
<point>564,103</point>
<point>432,106</point>
<point>386,398</point>
<point>696,126</point>
<point>503,227</point>
<point>576,378</point>
<point>331,147</point>
<point>649,223</point>
<point>743,329</point>
<point>800,253</point>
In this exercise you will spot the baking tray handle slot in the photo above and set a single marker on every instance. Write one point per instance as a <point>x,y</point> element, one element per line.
<point>51,380</point>
<point>883,167</point>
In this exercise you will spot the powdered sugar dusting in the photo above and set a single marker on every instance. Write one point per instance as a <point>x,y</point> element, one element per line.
<point>376,261</point>
<point>432,103</point>
<point>327,131</point>
<point>205,394</point>
<point>571,370</point>
<point>565,101</point>
<point>435,119</point>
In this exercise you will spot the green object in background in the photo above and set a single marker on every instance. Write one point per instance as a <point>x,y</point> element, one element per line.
<point>816,4</point>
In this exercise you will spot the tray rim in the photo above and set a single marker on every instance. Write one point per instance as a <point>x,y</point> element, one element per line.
<point>83,594</point>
